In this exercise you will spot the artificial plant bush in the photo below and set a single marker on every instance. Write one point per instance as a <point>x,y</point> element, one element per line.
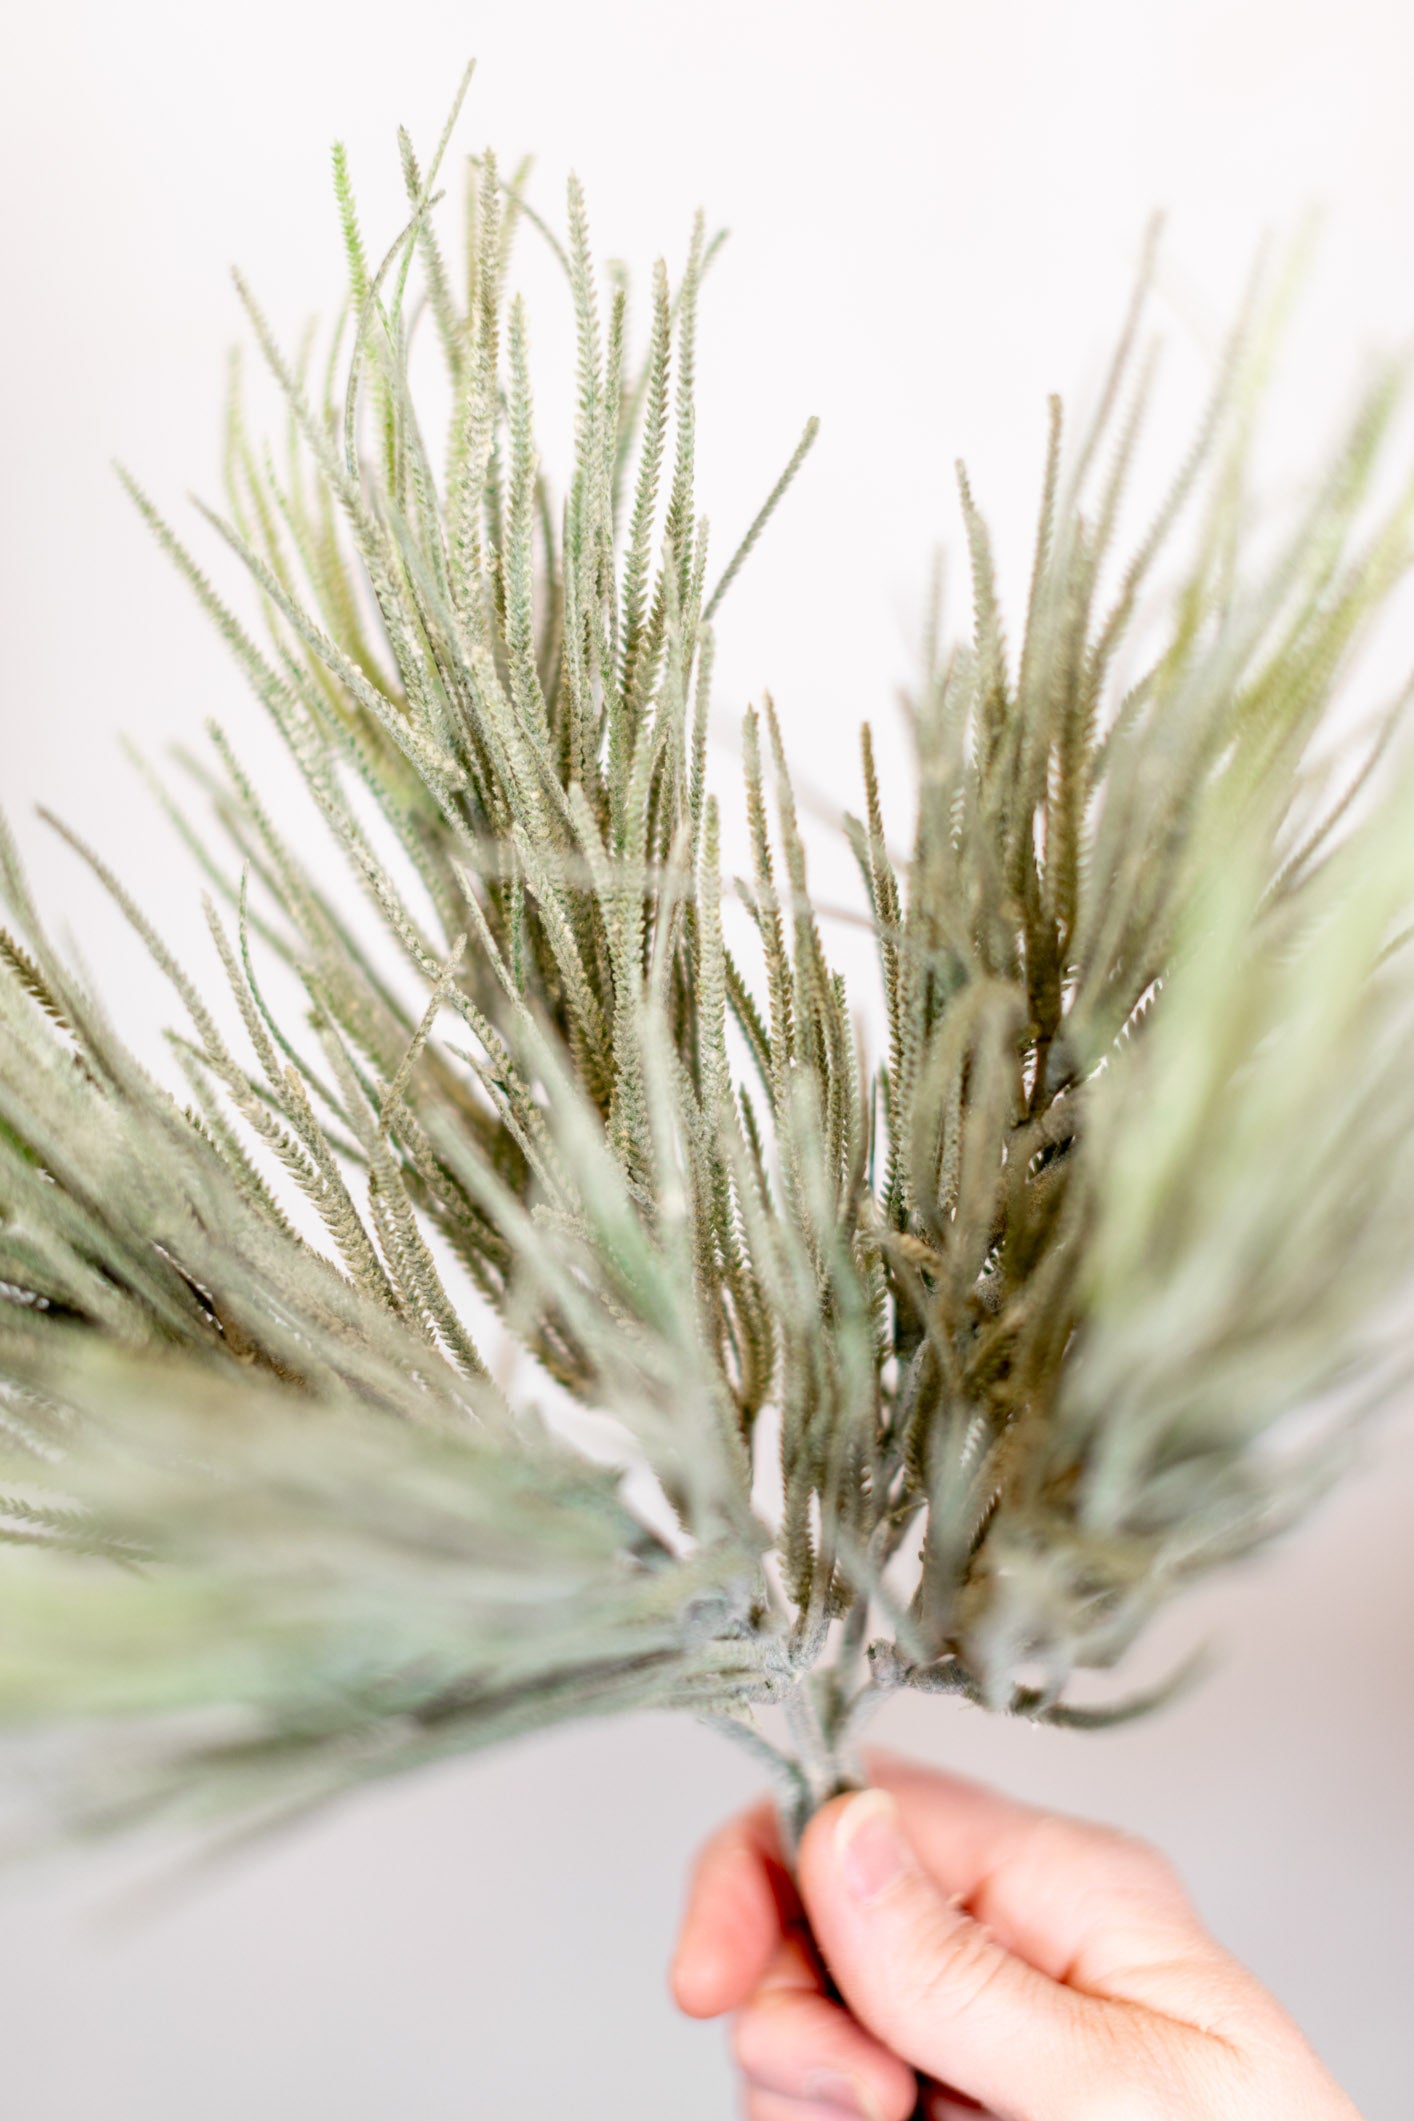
<point>1069,1291</point>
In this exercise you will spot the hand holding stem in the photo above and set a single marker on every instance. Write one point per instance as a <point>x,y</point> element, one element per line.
<point>942,1943</point>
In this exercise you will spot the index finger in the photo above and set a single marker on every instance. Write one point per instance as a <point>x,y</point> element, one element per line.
<point>1077,1900</point>
<point>740,1905</point>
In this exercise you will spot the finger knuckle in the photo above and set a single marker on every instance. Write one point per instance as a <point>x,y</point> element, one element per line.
<point>959,1970</point>
<point>1056,1842</point>
<point>747,2040</point>
<point>1144,2069</point>
<point>1117,1856</point>
<point>764,2034</point>
<point>1143,1861</point>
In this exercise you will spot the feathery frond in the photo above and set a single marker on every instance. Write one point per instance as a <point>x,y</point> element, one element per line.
<point>1066,1293</point>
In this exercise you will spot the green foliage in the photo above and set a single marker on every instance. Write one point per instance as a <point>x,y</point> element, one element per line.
<point>1036,1310</point>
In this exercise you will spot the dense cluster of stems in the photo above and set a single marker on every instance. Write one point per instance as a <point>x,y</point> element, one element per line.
<point>1032,1304</point>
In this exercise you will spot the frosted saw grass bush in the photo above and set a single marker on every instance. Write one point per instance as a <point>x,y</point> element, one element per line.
<point>1072,1290</point>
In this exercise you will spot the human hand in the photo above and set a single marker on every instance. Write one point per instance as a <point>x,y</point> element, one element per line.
<point>1012,1962</point>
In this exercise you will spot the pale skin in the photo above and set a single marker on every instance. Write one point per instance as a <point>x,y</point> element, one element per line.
<point>983,1958</point>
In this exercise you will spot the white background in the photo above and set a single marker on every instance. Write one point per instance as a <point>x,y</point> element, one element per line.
<point>936,208</point>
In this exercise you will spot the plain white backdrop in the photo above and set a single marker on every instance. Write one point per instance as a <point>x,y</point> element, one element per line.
<point>935,208</point>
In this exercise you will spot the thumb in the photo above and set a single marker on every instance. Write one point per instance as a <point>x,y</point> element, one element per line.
<point>928,1980</point>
